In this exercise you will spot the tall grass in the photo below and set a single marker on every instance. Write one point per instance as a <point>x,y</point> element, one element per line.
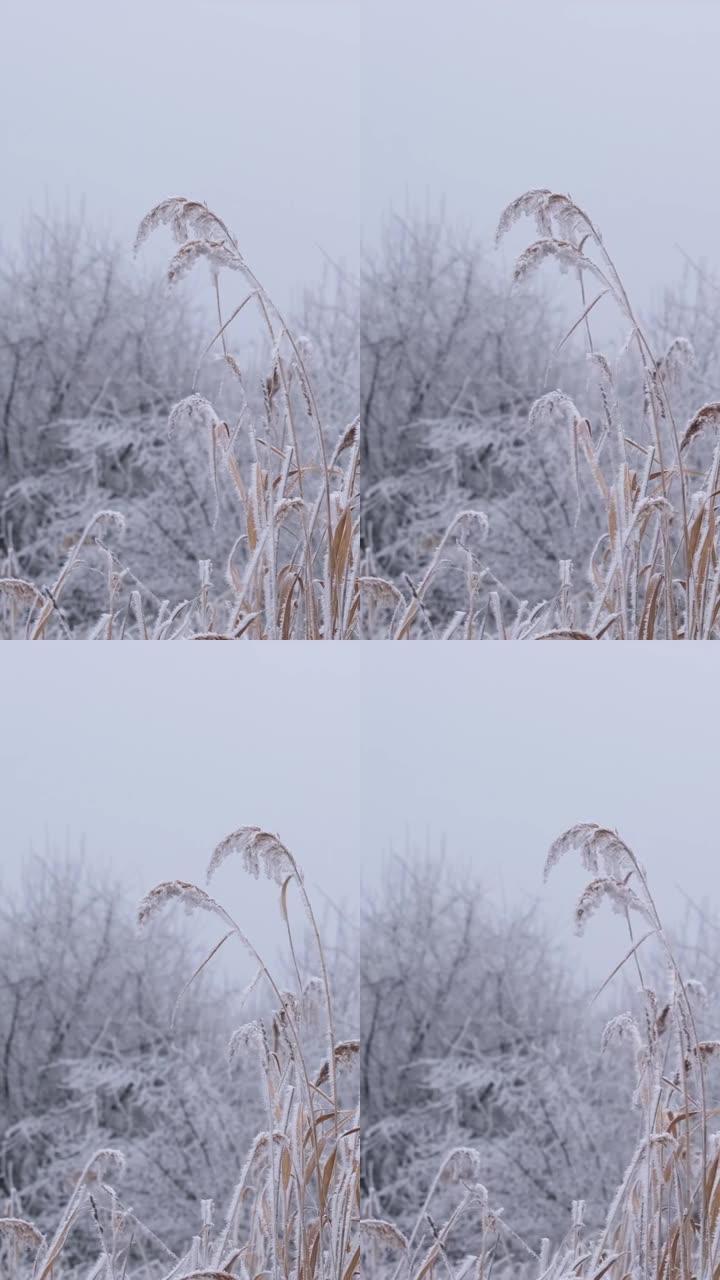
<point>654,572</point>
<point>293,1212</point>
<point>664,1221</point>
<point>291,567</point>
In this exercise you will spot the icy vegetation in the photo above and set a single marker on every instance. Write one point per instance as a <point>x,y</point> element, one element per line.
<point>494,504</point>
<point>161,482</point>
<point>518,478</point>
<point>156,1122</point>
<point>511,1126</point>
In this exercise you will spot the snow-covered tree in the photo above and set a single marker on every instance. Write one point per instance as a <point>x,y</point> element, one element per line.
<point>476,1035</point>
<point>91,1057</point>
<point>452,359</point>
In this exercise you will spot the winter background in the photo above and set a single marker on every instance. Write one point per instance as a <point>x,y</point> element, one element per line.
<point>478,1026</point>
<point>108,110</point>
<point>486,102</point>
<point>118,773</point>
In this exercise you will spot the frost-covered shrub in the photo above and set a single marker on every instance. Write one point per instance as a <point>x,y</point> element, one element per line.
<point>92,1058</point>
<point>451,362</point>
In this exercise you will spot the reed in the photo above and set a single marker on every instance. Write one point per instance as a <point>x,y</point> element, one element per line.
<point>291,568</point>
<point>664,1221</point>
<point>654,571</point>
<point>294,1209</point>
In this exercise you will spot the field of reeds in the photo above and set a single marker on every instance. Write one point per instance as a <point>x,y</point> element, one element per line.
<point>664,1221</point>
<point>294,1208</point>
<point>599,523</point>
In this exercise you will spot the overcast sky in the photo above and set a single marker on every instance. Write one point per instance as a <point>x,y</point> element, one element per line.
<point>152,753</point>
<point>251,105</point>
<point>256,107</point>
<point>471,102</point>
<point>498,748</point>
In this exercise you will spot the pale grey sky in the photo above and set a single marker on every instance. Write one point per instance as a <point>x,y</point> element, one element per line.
<point>498,748</point>
<point>251,105</point>
<point>472,102</point>
<point>256,106</point>
<point>153,753</point>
